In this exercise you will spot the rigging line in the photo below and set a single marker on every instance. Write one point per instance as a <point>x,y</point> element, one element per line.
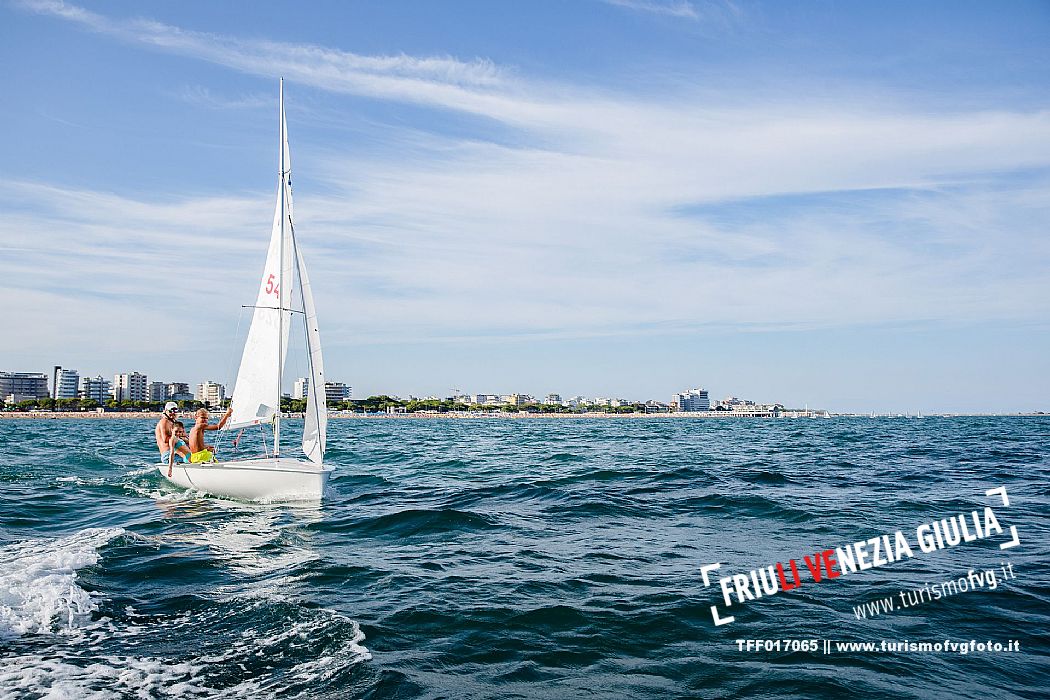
<point>312,396</point>
<point>229,372</point>
<point>265,440</point>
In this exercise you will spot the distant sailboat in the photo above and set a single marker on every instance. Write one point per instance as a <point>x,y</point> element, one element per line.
<point>257,393</point>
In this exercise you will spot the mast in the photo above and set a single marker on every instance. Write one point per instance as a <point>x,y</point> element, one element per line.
<point>280,291</point>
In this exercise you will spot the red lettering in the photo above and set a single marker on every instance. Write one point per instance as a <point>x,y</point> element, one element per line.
<point>783,579</point>
<point>814,566</point>
<point>829,560</point>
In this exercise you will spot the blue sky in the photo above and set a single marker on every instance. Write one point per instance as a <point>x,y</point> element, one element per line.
<point>839,204</point>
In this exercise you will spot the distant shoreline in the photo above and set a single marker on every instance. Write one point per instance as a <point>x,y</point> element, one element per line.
<point>710,415</point>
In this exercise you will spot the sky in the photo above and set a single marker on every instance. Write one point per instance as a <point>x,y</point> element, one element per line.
<point>833,204</point>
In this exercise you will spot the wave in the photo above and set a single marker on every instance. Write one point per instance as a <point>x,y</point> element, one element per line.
<point>752,505</point>
<point>406,523</point>
<point>562,457</point>
<point>259,650</point>
<point>38,582</point>
<point>766,478</point>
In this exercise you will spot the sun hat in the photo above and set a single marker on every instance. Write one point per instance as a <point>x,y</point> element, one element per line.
<point>171,406</point>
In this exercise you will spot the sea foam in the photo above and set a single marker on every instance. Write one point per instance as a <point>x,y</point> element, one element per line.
<point>38,582</point>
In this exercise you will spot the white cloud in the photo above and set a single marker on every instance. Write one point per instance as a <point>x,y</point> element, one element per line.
<point>722,15</point>
<point>437,80</point>
<point>202,96</point>
<point>671,8</point>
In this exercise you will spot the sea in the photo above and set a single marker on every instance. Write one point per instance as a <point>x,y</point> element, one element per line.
<point>535,558</point>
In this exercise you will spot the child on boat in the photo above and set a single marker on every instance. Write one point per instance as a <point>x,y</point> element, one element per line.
<point>178,445</point>
<point>199,451</point>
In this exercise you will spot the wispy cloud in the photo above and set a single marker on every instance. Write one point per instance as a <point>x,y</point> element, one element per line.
<point>670,8</point>
<point>202,96</point>
<point>433,79</point>
<point>719,14</point>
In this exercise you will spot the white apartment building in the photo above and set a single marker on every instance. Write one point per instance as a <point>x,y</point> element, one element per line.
<point>178,391</point>
<point>66,383</point>
<point>211,393</point>
<point>553,400</point>
<point>691,401</point>
<point>129,386</point>
<point>301,388</point>
<point>733,403</point>
<point>97,388</point>
<point>486,399</point>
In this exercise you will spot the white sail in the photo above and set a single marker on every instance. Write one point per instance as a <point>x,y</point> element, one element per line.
<point>257,393</point>
<point>316,426</point>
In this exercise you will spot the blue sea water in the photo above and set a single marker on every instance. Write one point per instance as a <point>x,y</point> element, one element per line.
<point>539,558</point>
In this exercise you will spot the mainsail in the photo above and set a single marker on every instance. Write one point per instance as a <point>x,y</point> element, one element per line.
<point>257,394</point>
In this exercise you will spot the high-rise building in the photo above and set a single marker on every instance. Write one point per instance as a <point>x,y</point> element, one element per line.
<point>33,384</point>
<point>95,388</point>
<point>552,400</point>
<point>691,401</point>
<point>178,391</point>
<point>129,386</point>
<point>337,391</point>
<point>66,383</point>
<point>156,391</point>
<point>211,393</point>
<point>301,388</point>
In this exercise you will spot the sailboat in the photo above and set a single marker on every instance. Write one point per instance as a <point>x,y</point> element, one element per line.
<point>284,292</point>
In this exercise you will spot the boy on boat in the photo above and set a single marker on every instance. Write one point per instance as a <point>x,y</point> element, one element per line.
<point>178,446</point>
<point>162,432</point>
<point>201,452</point>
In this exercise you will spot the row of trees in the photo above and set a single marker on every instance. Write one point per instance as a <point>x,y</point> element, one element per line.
<point>380,404</point>
<point>49,404</point>
<point>373,404</point>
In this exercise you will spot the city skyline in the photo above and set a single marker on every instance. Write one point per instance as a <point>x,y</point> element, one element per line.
<point>838,206</point>
<point>215,392</point>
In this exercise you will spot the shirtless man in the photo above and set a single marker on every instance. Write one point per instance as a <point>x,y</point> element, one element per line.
<point>201,452</point>
<point>163,430</point>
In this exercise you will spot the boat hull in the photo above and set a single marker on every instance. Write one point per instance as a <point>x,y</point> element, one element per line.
<point>280,479</point>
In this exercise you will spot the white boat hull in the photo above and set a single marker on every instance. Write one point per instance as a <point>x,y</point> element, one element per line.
<point>268,479</point>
